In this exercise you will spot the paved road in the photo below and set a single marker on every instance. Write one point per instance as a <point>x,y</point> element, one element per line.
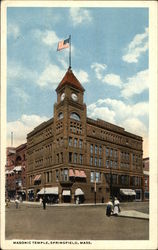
<point>73,223</point>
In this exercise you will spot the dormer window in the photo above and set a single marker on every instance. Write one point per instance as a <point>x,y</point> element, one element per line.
<point>60,116</point>
<point>75,116</point>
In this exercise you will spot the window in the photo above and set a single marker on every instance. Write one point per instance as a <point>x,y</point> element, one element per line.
<point>62,157</point>
<point>100,150</point>
<point>81,159</point>
<point>96,149</point>
<point>75,116</point>
<point>91,160</point>
<point>64,174</point>
<point>60,116</point>
<point>57,175</point>
<point>98,177</point>
<point>115,164</point>
<point>47,177</point>
<point>111,163</point>
<point>75,157</point>
<point>70,156</point>
<point>111,152</point>
<point>75,142</point>
<point>91,148</point>
<point>107,151</point>
<point>57,158</point>
<point>92,176</point>
<point>100,162</point>
<point>115,153</point>
<point>114,179</point>
<point>95,161</point>
<point>107,163</point>
<point>80,143</point>
<point>70,141</point>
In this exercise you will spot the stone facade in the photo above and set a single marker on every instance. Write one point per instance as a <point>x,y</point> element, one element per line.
<point>79,154</point>
<point>16,171</point>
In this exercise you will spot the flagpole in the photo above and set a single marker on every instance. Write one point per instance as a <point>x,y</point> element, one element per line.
<point>70,52</point>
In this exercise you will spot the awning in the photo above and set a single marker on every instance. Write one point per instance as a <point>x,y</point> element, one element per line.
<point>17,168</point>
<point>77,173</point>
<point>66,193</point>
<point>49,190</point>
<point>71,173</point>
<point>82,174</point>
<point>79,191</point>
<point>127,191</point>
<point>37,177</point>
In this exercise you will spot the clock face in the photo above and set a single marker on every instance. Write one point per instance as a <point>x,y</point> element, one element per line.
<point>62,96</point>
<point>74,97</point>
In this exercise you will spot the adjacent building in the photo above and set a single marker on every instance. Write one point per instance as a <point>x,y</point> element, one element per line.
<point>146,178</point>
<point>72,156</point>
<point>15,171</point>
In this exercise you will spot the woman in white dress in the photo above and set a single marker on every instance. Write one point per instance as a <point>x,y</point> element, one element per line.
<point>116,206</point>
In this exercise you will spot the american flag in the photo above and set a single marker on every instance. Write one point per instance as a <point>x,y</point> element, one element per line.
<point>63,44</point>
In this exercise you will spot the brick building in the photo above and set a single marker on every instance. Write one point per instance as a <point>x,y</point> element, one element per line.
<point>146,178</point>
<point>16,171</point>
<point>72,156</point>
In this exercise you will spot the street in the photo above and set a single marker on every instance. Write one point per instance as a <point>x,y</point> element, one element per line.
<point>30,221</point>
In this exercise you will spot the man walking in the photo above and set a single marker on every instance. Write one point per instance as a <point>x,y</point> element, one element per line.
<point>44,202</point>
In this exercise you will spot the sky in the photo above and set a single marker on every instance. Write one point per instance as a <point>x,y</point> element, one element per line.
<point>109,58</point>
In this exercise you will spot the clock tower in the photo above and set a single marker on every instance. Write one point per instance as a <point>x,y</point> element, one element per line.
<point>70,122</point>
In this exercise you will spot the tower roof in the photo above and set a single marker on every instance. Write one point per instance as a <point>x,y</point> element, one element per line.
<point>70,79</point>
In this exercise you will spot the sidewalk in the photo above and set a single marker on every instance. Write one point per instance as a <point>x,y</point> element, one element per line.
<point>134,214</point>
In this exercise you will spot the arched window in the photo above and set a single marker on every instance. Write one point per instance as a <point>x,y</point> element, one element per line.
<point>75,116</point>
<point>60,116</point>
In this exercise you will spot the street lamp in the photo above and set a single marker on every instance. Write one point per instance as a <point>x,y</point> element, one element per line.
<point>111,193</point>
<point>95,192</point>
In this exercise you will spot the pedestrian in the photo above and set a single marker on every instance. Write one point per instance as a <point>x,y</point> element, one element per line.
<point>116,206</point>
<point>109,209</point>
<point>16,203</point>
<point>44,202</point>
<point>7,202</point>
<point>40,200</point>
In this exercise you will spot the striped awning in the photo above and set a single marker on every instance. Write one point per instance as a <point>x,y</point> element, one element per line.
<point>127,191</point>
<point>71,173</point>
<point>49,190</point>
<point>37,177</point>
<point>77,173</point>
<point>66,193</point>
<point>82,174</point>
<point>79,191</point>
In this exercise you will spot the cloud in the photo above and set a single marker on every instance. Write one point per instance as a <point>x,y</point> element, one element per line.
<point>115,111</point>
<point>82,76</point>
<point>113,79</point>
<point>134,125</point>
<point>16,71</point>
<point>79,15</point>
<point>48,37</point>
<point>51,76</point>
<point>22,127</point>
<point>13,31</point>
<point>20,93</point>
<point>99,69</point>
<point>103,113</point>
<point>136,84</point>
<point>137,46</point>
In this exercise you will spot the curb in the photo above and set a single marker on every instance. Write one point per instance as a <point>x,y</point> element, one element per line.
<point>133,217</point>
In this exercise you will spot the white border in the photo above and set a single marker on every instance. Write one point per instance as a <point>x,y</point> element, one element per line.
<point>152,5</point>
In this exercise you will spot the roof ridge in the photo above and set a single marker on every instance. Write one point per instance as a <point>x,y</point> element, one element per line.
<point>70,78</point>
